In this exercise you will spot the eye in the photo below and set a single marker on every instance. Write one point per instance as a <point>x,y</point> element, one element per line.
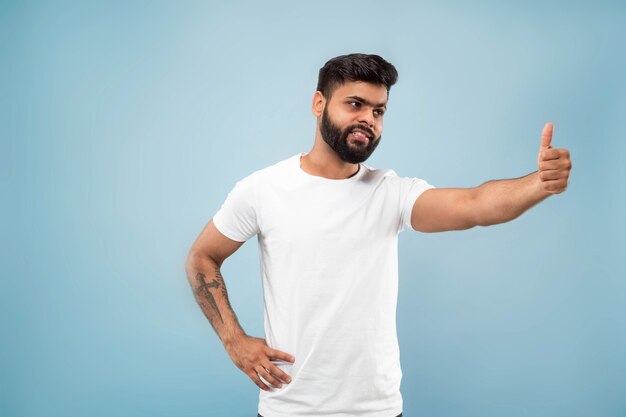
<point>379,112</point>
<point>355,104</point>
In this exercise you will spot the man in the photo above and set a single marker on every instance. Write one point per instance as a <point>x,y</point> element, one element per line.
<point>327,227</point>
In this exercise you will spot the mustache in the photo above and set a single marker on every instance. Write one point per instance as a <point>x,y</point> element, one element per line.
<point>369,132</point>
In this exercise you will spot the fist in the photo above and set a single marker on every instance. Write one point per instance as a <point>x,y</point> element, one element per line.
<point>554,164</point>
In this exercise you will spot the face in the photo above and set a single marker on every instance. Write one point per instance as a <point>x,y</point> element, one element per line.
<point>352,120</point>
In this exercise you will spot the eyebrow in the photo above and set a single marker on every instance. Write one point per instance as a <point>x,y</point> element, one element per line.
<point>367,102</point>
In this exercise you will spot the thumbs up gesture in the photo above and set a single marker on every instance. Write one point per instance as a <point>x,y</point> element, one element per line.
<point>554,164</point>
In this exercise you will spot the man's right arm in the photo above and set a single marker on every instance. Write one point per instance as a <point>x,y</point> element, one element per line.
<point>250,354</point>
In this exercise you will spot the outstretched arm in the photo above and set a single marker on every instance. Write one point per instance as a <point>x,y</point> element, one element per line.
<point>498,201</point>
<point>250,354</point>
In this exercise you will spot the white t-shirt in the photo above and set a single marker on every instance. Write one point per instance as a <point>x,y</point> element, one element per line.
<point>329,267</point>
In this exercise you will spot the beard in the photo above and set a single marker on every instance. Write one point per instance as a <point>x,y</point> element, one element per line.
<point>337,139</point>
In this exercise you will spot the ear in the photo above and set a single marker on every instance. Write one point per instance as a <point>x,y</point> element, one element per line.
<point>319,101</point>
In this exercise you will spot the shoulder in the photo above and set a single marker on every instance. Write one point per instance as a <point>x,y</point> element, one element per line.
<point>377,174</point>
<point>270,173</point>
<point>381,176</point>
<point>390,179</point>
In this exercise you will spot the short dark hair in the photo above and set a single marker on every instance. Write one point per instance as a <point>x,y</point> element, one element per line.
<point>355,67</point>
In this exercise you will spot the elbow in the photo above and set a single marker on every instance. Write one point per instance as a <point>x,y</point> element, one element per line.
<point>191,265</point>
<point>191,261</point>
<point>466,226</point>
<point>471,215</point>
<point>197,261</point>
<point>484,212</point>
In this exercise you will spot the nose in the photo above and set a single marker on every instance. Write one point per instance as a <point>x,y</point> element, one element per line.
<point>367,117</point>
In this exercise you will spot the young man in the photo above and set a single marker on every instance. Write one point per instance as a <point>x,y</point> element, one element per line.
<point>327,227</point>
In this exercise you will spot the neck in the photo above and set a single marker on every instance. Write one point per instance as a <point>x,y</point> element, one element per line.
<point>322,161</point>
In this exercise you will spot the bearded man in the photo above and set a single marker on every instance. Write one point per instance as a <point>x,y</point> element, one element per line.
<point>327,227</point>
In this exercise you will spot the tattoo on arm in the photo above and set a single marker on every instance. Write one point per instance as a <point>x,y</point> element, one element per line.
<point>220,279</point>
<point>202,290</point>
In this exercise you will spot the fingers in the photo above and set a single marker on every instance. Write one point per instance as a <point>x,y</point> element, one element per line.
<point>552,153</point>
<point>562,161</point>
<point>272,373</point>
<point>254,376</point>
<point>277,372</point>
<point>266,373</point>
<point>552,174</point>
<point>554,170</point>
<point>277,354</point>
<point>262,372</point>
<point>554,164</point>
<point>254,357</point>
<point>546,135</point>
<point>555,186</point>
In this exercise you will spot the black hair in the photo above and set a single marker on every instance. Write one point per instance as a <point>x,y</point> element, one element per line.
<point>355,67</point>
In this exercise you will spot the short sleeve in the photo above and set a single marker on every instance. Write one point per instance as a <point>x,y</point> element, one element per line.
<point>408,189</point>
<point>415,188</point>
<point>237,219</point>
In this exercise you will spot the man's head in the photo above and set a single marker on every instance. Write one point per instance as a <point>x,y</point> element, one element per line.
<point>355,67</point>
<point>350,101</point>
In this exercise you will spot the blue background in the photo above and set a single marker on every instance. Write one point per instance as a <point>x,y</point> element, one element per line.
<point>124,126</point>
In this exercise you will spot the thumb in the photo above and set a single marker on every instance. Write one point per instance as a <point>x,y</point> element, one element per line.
<point>546,135</point>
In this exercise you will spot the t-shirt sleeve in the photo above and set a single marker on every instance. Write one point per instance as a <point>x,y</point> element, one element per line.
<point>237,218</point>
<point>409,189</point>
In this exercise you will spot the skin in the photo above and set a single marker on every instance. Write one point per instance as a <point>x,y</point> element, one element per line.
<point>250,354</point>
<point>345,111</point>
<point>436,210</point>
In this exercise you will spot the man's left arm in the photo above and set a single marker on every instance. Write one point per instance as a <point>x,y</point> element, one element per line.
<point>498,201</point>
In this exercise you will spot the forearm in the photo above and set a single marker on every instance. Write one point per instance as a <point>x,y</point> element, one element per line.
<point>501,201</point>
<point>209,289</point>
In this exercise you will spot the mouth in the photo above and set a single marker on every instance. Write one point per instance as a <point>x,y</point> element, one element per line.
<point>359,135</point>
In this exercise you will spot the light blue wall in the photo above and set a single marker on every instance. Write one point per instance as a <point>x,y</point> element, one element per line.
<point>124,126</point>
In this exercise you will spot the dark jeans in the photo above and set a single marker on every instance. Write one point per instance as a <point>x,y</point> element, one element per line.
<point>399,415</point>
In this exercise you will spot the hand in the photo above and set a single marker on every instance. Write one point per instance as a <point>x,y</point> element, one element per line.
<point>554,164</point>
<point>253,356</point>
